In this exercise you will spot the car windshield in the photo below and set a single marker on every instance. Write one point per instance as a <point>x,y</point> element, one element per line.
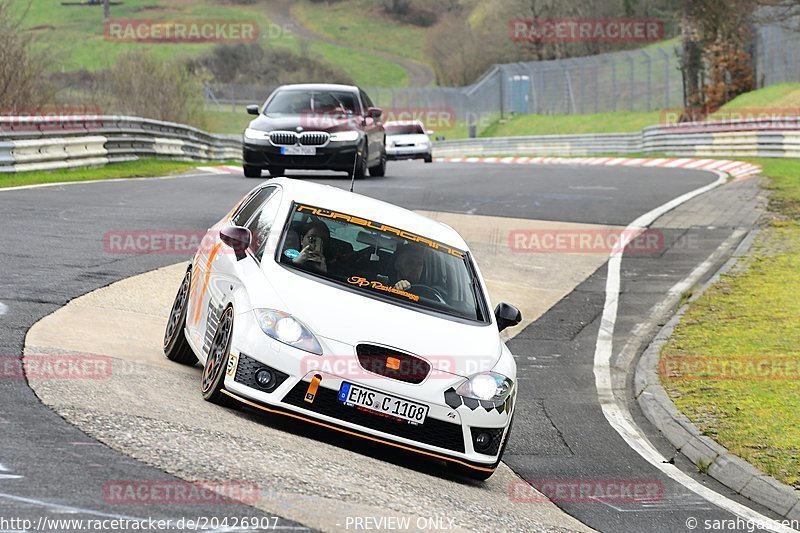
<point>382,261</point>
<point>302,102</point>
<point>404,129</point>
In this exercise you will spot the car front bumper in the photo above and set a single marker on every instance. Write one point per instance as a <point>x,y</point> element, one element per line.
<point>448,432</point>
<point>411,152</point>
<point>338,156</point>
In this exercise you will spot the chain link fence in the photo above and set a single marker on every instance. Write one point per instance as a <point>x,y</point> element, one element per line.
<point>648,79</point>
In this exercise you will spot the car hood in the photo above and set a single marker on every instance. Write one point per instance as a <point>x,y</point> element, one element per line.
<point>412,138</point>
<point>307,122</point>
<point>350,318</point>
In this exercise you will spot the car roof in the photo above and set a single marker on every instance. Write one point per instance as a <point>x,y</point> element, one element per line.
<point>350,203</point>
<point>319,87</point>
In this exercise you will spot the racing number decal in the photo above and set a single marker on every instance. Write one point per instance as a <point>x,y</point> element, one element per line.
<point>232,360</point>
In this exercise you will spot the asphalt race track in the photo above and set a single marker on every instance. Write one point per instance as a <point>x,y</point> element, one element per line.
<point>53,252</point>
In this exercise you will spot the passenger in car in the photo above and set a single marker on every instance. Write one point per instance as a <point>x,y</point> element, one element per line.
<point>315,238</point>
<point>408,263</point>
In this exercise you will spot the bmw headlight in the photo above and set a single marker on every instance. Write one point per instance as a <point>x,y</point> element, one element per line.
<point>345,136</point>
<point>284,328</point>
<point>250,133</point>
<point>487,386</point>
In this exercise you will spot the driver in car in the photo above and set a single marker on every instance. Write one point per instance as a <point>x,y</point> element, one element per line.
<point>408,263</point>
<point>314,241</point>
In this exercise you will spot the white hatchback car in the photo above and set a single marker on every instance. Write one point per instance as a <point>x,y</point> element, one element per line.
<point>408,140</point>
<point>353,314</point>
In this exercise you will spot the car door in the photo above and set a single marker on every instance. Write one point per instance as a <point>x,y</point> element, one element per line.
<point>214,272</point>
<point>374,130</point>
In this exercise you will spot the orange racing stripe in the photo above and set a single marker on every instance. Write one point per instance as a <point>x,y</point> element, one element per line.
<point>353,433</point>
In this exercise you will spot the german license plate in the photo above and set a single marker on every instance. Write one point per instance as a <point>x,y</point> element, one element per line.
<point>298,150</point>
<point>385,404</point>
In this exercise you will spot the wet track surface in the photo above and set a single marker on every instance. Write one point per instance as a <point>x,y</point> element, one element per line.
<point>53,251</point>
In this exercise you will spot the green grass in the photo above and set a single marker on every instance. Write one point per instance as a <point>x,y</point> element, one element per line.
<point>367,70</point>
<point>783,96</point>
<point>348,21</point>
<point>616,122</point>
<point>749,318</point>
<point>129,169</point>
<point>81,28</point>
<point>227,120</point>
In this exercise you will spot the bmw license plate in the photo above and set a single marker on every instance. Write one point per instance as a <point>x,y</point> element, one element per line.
<point>298,150</point>
<point>382,404</point>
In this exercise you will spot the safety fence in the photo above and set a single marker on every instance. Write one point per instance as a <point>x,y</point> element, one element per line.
<point>47,143</point>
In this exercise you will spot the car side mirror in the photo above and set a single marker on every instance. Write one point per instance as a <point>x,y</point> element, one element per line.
<point>237,238</point>
<point>374,112</point>
<point>429,132</point>
<point>507,315</point>
<point>252,110</point>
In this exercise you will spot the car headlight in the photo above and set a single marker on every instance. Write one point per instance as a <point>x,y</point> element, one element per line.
<point>345,136</point>
<point>250,133</point>
<point>284,328</point>
<point>487,386</point>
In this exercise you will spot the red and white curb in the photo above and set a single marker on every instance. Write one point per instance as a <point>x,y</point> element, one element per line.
<point>737,169</point>
<point>222,169</point>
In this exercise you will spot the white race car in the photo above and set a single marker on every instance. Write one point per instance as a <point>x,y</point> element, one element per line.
<point>408,140</point>
<point>353,314</point>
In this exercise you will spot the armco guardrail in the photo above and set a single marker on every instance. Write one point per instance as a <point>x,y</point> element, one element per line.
<point>64,142</point>
<point>46,143</point>
<point>778,137</point>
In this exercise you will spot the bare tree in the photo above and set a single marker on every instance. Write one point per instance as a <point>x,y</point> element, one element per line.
<point>717,65</point>
<point>23,77</point>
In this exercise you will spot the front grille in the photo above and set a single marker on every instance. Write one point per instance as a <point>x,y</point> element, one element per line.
<point>496,435</point>
<point>283,138</point>
<point>246,373</point>
<point>411,369</point>
<point>432,431</point>
<point>315,138</point>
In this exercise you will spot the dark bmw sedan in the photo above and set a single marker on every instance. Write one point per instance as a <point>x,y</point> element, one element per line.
<point>315,127</point>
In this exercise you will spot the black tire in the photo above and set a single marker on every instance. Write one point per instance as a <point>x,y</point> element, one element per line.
<point>212,382</point>
<point>379,170</point>
<point>429,159</point>
<point>360,167</point>
<point>176,347</point>
<point>251,171</point>
<point>276,171</point>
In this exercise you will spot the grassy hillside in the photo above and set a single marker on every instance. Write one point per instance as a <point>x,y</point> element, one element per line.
<point>82,28</point>
<point>355,22</point>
